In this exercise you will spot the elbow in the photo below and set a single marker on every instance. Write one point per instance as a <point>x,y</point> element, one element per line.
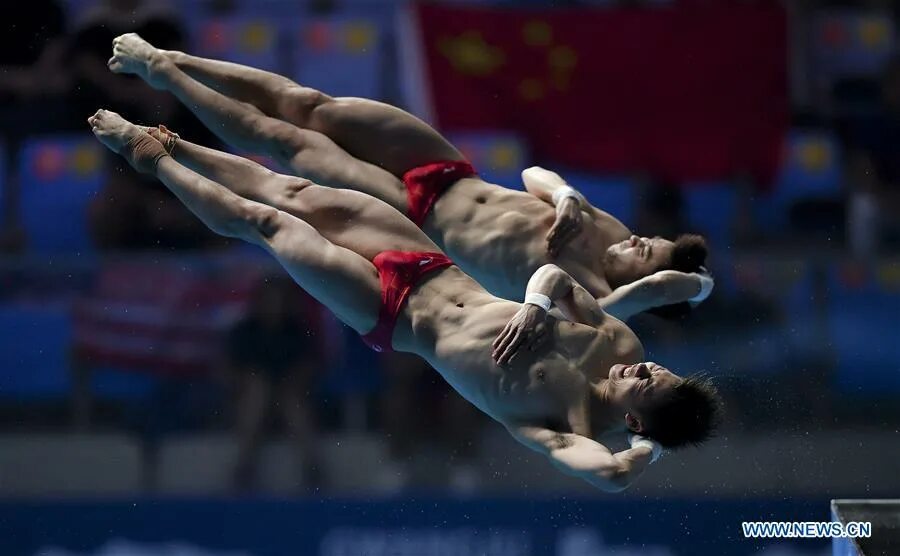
<point>248,221</point>
<point>615,481</point>
<point>533,178</point>
<point>549,268</point>
<point>531,172</point>
<point>551,272</point>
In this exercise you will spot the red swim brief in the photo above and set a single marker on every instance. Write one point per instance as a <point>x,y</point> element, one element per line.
<point>426,183</point>
<point>400,272</point>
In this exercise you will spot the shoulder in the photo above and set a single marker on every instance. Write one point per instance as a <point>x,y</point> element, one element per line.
<point>624,342</point>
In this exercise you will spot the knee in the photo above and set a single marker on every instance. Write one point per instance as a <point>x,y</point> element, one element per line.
<point>298,103</point>
<point>280,140</point>
<point>264,220</point>
<point>292,187</point>
<point>252,221</point>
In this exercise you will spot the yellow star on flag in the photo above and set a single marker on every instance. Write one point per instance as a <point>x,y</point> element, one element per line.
<point>470,54</point>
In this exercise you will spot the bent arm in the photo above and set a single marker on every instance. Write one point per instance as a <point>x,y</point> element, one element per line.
<point>575,303</point>
<point>544,183</point>
<point>586,459</point>
<point>665,287</point>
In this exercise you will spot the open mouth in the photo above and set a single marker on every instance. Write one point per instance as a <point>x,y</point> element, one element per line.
<point>629,372</point>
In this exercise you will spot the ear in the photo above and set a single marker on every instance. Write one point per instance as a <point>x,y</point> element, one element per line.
<point>633,423</point>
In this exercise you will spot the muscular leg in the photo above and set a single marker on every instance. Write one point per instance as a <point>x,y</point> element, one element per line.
<point>262,89</point>
<point>328,252</point>
<point>339,278</point>
<point>372,131</point>
<point>306,152</point>
<point>253,181</point>
<point>338,215</point>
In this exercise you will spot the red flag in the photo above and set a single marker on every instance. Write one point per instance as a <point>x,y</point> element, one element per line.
<point>684,92</point>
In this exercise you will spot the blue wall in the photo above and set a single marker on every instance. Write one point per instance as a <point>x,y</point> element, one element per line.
<point>409,527</point>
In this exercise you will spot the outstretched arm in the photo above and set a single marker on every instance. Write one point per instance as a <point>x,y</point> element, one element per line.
<point>587,459</point>
<point>665,287</point>
<point>549,285</point>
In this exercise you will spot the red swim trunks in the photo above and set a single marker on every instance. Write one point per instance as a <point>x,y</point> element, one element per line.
<point>400,272</point>
<point>426,183</point>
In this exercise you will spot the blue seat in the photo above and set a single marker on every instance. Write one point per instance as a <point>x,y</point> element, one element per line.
<point>35,344</point>
<point>852,43</point>
<point>498,156</point>
<point>811,169</point>
<point>243,39</point>
<point>340,55</point>
<point>711,209</point>
<point>863,311</point>
<point>59,177</point>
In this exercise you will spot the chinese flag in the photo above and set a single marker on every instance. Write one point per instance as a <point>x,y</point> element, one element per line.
<point>687,92</point>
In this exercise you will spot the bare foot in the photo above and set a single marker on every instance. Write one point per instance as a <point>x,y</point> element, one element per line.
<point>132,54</point>
<point>123,137</point>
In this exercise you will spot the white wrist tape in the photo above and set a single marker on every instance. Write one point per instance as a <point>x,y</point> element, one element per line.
<point>565,192</point>
<point>706,287</point>
<point>655,447</point>
<point>538,299</point>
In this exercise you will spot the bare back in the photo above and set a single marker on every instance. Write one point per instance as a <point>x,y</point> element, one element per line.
<point>498,235</point>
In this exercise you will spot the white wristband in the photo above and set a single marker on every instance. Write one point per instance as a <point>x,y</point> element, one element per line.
<point>564,192</point>
<point>706,287</point>
<point>538,299</point>
<point>656,448</point>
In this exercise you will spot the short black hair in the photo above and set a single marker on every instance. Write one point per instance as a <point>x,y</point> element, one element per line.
<point>689,416</point>
<point>688,255</point>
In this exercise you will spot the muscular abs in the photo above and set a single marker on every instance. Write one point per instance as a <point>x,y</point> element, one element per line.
<point>454,322</point>
<point>498,235</point>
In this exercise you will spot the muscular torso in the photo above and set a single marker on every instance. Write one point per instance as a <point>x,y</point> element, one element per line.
<point>451,322</point>
<point>498,235</point>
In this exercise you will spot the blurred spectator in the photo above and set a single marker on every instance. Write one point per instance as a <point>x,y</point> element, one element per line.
<point>33,84</point>
<point>133,212</point>
<point>31,53</point>
<point>874,170</point>
<point>422,411</point>
<point>273,362</point>
<point>90,47</point>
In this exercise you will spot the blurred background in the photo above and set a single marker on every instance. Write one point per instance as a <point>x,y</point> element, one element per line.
<point>164,391</point>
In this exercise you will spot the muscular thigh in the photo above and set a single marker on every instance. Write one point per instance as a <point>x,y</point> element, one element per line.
<point>342,280</point>
<point>327,163</point>
<point>360,222</point>
<point>381,134</point>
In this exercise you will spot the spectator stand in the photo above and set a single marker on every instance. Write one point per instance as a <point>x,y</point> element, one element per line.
<point>808,183</point>
<point>863,299</point>
<point>59,175</point>
<point>498,156</point>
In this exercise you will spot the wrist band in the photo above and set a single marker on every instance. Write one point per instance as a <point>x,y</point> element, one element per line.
<point>706,287</point>
<point>565,192</point>
<point>655,447</point>
<point>538,299</point>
